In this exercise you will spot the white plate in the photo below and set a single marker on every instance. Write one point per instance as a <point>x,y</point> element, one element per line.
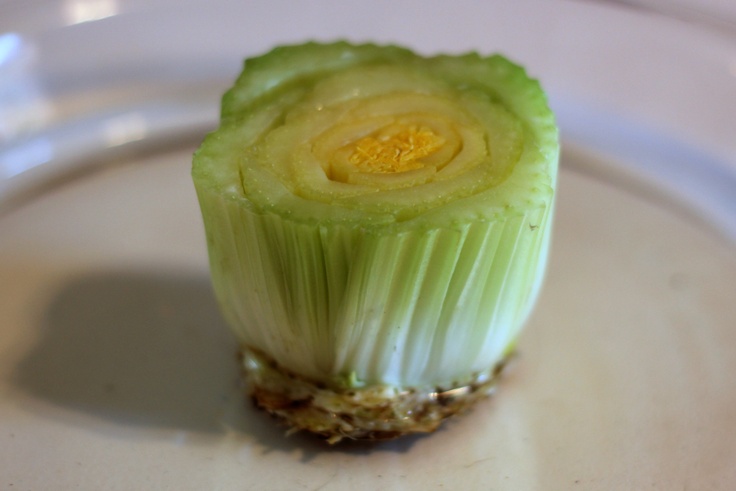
<point>116,371</point>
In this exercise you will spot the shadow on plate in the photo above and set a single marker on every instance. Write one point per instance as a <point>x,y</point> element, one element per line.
<point>148,355</point>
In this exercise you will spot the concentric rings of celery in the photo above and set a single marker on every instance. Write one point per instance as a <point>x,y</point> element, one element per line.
<point>413,278</point>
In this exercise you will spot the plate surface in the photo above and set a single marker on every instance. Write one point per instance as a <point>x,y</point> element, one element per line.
<point>117,372</point>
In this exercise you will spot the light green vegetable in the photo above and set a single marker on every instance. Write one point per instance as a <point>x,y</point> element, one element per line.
<point>378,225</point>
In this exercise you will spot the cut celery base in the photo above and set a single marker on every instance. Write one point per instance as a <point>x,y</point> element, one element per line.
<point>369,413</point>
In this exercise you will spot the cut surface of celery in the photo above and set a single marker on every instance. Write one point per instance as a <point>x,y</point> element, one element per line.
<point>377,222</point>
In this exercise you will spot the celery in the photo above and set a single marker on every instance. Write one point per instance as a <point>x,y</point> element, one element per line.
<point>377,224</point>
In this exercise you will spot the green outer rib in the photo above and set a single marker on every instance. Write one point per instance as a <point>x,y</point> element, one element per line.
<point>362,296</point>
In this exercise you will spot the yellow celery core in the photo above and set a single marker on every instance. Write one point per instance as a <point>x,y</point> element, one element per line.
<point>397,148</point>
